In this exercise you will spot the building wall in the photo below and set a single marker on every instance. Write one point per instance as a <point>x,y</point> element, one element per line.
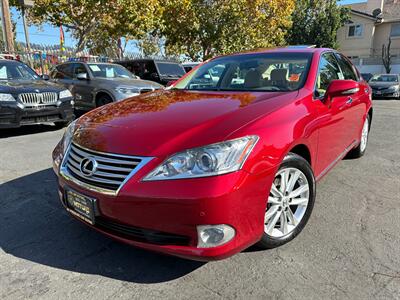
<point>357,46</point>
<point>374,4</point>
<point>391,9</point>
<point>382,33</point>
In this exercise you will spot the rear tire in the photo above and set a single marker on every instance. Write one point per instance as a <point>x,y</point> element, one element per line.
<point>103,99</point>
<point>290,202</point>
<point>362,146</point>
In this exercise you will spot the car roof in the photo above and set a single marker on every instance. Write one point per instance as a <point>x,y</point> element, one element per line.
<point>88,63</point>
<point>288,49</point>
<point>148,59</point>
<point>11,61</point>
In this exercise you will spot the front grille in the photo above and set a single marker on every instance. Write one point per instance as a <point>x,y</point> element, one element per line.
<point>379,88</point>
<point>35,99</point>
<point>141,234</point>
<point>110,172</point>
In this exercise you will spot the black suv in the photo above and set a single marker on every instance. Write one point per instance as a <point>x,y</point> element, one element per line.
<point>25,98</point>
<point>161,71</point>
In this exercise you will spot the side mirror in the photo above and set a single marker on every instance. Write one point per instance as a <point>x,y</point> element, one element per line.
<point>82,76</point>
<point>45,77</point>
<point>342,87</point>
<point>154,76</point>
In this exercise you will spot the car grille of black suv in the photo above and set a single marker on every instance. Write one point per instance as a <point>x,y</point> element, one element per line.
<point>35,99</point>
<point>103,170</point>
<point>141,234</point>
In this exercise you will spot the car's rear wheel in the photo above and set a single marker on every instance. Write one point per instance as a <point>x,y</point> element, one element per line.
<point>362,146</point>
<point>103,99</point>
<point>290,202</point>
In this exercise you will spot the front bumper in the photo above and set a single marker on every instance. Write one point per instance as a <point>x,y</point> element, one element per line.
<point>385,94</point>
<point>163,215</point>
<point>15,114</point>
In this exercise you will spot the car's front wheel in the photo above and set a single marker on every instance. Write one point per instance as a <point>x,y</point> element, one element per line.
<point>362,146</point>
<point>103,99</point>
<point>290,202</point>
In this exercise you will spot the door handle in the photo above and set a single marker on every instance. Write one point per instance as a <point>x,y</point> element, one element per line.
<point>349,100</point>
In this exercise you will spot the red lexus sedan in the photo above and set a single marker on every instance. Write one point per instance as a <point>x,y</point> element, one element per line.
<point>227,157</point>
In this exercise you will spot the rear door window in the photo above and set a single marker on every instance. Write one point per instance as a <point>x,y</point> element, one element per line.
<point>347,69</point>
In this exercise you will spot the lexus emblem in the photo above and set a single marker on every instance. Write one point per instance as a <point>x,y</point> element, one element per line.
<point>88,166</point>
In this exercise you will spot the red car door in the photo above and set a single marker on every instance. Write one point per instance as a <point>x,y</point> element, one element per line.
<point>356,108</point>
<point>333,117</point>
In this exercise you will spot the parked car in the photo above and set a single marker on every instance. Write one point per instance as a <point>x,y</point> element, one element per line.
<point>209,167</point>
<point>366,76</point>
<point>97,84</point>
<point>188,66</point>
<point>385,85</point>
<point>25,98</point>
<point>161,71</point>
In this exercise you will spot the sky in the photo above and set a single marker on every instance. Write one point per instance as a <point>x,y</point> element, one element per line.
<point>49,35</point>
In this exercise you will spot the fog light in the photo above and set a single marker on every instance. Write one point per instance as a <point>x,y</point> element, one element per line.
<point>214,235</point>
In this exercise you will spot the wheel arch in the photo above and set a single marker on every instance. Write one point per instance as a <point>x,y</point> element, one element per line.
<point>103,92</point>
<point>303,151</point>
<point>370,114</point>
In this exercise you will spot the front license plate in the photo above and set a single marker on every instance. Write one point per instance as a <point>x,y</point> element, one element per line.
<point>80,206</point>
<point>379,93</point>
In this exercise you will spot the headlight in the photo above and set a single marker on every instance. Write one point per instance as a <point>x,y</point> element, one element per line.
<point>127,90</point>
<point>67,138</point>
<point>215,159</point>
<point>393,88</point>
<point>6,98</point>
<point>65,94</point>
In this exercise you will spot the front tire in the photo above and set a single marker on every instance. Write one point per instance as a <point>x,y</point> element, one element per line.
<point>103,99</point>
<point>362,146</point>
<point>290,202</point>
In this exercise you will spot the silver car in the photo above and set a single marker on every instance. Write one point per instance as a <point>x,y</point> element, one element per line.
<point>97,84</point>
<point>385,86</point>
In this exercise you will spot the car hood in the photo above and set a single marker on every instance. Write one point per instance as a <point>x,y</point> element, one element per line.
<point>129,82</point>
<point>28,86</point>
<point>382,84</point>
<point>163,122</point>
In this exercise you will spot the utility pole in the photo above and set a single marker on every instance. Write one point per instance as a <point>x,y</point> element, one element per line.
<point>9,41</point>
<point>24,5</point>
<point>3,31</point>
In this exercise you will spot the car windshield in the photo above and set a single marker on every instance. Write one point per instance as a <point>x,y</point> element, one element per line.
<point>251,72</point>
<point>170,69</point>
<point>385,78</point>
<point>109,71</point>
<point>16,71</point>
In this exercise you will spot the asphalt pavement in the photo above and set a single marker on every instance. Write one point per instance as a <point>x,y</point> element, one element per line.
<point>350,248</point>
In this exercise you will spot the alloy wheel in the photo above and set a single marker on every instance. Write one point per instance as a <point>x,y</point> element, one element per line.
<point>287,202</point>
<point>364,135</point>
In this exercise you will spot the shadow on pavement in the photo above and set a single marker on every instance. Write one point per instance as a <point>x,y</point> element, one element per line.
<point>26,130</point>
<point>35,227</point>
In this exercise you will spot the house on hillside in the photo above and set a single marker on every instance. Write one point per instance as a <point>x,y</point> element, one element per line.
<point>371,25</point>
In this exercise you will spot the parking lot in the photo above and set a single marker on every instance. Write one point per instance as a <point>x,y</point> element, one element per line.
<point>350,249</point>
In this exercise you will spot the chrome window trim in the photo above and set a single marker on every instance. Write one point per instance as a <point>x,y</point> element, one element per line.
<point>68,177</point>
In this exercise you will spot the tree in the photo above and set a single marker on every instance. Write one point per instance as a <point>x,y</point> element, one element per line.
<point>97,23</point>
<point>386,57</point>
<point>150,45</point>
<point>317,22</point>
<point>201,29</point>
